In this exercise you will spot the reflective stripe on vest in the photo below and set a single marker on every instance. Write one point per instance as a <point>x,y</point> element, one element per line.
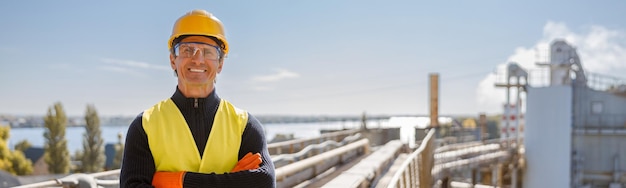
<point>174,149</point>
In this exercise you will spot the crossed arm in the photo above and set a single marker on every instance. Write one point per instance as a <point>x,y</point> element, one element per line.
<point>138,167</point>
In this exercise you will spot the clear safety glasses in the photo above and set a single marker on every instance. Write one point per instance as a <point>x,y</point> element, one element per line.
<point>190,49</point>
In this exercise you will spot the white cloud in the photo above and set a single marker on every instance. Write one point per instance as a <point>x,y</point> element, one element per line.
<point>601,50</point>
<point>488,97</point>
<point>280,74</point>
<point>131,63</point>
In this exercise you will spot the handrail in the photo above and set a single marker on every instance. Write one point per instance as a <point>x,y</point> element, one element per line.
<point>295,173</point>
<point>471,162</point>
<point>90,180</point>
<point>369,170</point>
<point>41,184</point>
<point>306,152</point>
<point>78,179</point>
<point>450,147</point>
<point>448,156</point>
<point>296,145</point>
<point>475,143</point>
<point>409,166</point>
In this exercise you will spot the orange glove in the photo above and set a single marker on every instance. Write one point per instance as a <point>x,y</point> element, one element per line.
<point>248,162</point>
<point>168,179</point>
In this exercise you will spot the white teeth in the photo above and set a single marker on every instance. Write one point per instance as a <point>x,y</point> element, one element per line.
<point>197,70</point>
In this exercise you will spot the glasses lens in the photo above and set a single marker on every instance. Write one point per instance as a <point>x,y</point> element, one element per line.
<point>188,50</point>
<point>210,52</point>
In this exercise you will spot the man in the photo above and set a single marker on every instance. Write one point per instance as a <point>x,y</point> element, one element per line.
<point>194,138</point>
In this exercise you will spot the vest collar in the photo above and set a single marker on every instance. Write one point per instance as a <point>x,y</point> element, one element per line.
<point>210,102</point>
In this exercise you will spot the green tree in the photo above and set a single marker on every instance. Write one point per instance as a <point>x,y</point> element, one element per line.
<point>22,146</point>
<point>13,162</point>
<point>5,153</point>
<point>93,157</point>
<point>119,152</point>
<point>20,165</point>
<point>78,156</point>
<point>56,156</point>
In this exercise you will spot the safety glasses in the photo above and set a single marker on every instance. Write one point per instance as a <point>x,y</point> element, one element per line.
<point>191,49</point>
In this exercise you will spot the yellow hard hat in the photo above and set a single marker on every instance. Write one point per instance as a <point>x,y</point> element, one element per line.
<point>199,22</point>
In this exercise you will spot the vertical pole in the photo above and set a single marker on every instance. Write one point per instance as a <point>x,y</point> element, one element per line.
<point>513,176</point>
<point>479,176</point>
<point>434,100</point>
<point>425,164</point>
<point>494,175</point>
<point>482,120</point>
<point>500,178</point>
<point>507,115</point>
<point>474,177</point>
<point>616,172</point>
<point>445,182</point>
<point>518,108</point>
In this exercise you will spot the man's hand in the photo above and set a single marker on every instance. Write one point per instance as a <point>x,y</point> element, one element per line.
<point>248,162</point>
<point>168,179</point>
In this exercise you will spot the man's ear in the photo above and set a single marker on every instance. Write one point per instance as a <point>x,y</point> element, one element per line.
<point>172,61</point>
<point>220,65</point>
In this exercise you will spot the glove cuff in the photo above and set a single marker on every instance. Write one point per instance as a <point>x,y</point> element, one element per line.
<point>168,179</point>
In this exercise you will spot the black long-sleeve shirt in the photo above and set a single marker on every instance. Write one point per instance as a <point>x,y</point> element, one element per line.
<point>138,164</point>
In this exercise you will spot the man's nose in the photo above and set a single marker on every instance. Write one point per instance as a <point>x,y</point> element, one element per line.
<point>198,56</point>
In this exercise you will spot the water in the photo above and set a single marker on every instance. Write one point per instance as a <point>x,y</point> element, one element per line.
<point>74,135</point>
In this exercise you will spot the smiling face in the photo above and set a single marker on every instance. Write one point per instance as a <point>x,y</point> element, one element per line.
<point>196,74</point>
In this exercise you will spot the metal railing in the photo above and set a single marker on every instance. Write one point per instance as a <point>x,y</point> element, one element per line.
<point>442,169</point>
<point>603,82</point>
<point>415,171</point>
<point>79,180</point>
<point>95,180</point>
<point>370,169</point>
<point>450,156</point>
<point>540,77</point>
<point>451,147</point>
<point>311,150</point>
<point>293,146</point>
<point>295,173</point>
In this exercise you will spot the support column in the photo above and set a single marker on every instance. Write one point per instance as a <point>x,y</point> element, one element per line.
<point>445,182</point>
<point>474,177</point>
<point>494,175</point>
<point>518,107</point>
<point>479,176</point>
<point>507,114</point>
<point>500,176</point>
<point>482,121</point>
<point>513,175</point>
<point>434,100</point>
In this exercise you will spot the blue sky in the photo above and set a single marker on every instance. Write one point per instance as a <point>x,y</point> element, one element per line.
<point>294,57</point>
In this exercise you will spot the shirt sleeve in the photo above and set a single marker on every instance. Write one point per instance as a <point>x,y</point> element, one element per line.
<point>253,140</point>
<point>137,163</point>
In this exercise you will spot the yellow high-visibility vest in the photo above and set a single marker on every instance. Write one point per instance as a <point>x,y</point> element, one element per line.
<point>174,149</point>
